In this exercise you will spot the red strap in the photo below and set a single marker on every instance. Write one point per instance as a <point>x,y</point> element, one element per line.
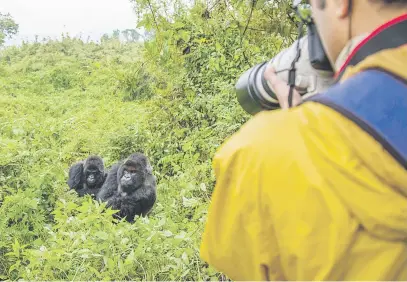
<point>373,34</point>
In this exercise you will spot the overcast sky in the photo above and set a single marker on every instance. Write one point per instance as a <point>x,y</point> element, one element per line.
<point>52,17</point>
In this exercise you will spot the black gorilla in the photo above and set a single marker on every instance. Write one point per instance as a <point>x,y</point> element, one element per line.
<point>87,177</point>
<point>130,187</point>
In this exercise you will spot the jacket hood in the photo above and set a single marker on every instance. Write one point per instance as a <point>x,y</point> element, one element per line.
<point>350,46</point>
<point>381,203</point>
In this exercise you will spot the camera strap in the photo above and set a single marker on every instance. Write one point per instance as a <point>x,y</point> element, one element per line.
<point>376,101</point>
<point>293,69</point>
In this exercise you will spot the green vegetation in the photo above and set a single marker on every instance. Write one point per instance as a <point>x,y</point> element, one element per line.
<point>8,27</point>
<point>61,101</point>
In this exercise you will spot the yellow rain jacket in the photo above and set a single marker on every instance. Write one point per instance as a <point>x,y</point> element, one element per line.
<point>307,194</point>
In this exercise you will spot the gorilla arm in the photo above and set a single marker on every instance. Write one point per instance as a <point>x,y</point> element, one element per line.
<point>75,175</point>
<point>109,188</point>
<point>109,191</point>
<point>141,201</point>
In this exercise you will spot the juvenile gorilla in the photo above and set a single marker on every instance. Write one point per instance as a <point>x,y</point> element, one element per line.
<point>87,177</point>
<point>130,187</point>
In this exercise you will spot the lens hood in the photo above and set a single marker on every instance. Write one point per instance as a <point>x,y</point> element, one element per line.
<point>253,93</point>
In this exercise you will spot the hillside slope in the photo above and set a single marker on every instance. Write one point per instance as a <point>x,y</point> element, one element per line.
<point>60,102</point>
<point>172,98</point>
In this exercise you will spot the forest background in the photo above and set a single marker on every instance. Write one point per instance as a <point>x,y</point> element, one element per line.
<point>170,96</point>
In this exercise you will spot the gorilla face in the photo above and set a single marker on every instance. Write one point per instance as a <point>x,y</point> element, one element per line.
<point>94,172</point>
<point>94,177</point>
<point>131,176</point>
<point>87,177</point>
<point>132,173</point>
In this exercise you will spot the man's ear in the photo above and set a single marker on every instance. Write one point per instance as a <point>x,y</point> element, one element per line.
<point>343,8</point>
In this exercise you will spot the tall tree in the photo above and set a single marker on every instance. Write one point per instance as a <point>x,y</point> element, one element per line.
<point>8,27</point>
<point>131,35</point>
<point>116,34</point>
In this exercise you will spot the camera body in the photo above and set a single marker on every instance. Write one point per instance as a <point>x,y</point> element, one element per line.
<point>313,74</point>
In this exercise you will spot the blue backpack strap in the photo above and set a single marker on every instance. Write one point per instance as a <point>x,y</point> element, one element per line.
<point>377,102</point>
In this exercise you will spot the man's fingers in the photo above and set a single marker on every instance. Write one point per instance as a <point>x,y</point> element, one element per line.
<point>280,88</point>
<point>278,85</point>
<point>270,74</point>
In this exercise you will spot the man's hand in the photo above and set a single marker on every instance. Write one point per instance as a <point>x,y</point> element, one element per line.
<point>281,88</point>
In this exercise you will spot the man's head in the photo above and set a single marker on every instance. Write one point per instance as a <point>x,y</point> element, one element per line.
<point>337,20</point>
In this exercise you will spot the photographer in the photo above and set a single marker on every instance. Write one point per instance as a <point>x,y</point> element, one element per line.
<point>318,190</point>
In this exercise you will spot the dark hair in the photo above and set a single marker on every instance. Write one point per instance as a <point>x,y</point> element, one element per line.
<point>322,3</point>
<point>393,2</point>
<point>390,4</point>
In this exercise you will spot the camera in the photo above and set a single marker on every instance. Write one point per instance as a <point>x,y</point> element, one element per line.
<point>304,65</point>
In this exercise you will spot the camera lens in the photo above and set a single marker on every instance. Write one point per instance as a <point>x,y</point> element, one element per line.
<point>253,92</point>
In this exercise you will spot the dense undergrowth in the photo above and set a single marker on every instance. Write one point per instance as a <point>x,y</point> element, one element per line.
<point>61,101</point>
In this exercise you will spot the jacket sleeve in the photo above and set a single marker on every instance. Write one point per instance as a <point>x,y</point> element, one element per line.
<point>237,240</point>
<point>271,216</point>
